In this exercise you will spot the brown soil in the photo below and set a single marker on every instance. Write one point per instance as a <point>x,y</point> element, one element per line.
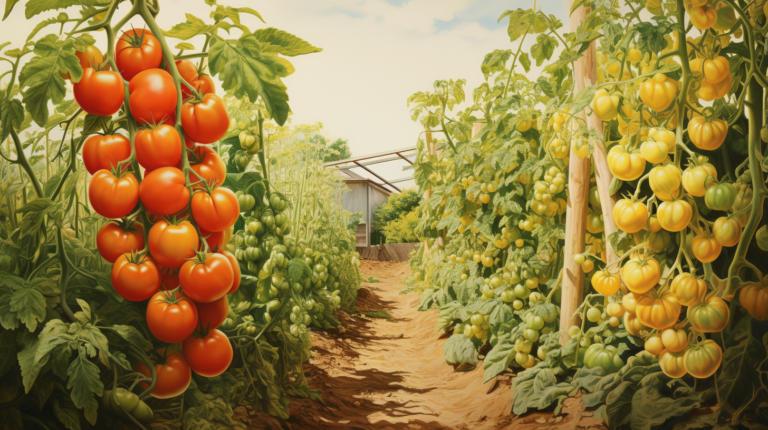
<point>390,374</point>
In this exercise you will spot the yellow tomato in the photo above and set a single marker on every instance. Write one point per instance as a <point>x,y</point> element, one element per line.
<point>606,283</point>
<point>606,106</point>
<point>629,301</point>
<point>654,345</point>
<point>703,360</point>
<point>688,290</point>
<point>672,363</point>
<point>709,91</point>
<point>694,177</point>
<point>674,215</point>
<point>727,231</point>
<point>625,165</point>
<point>707,135</point>
<point>634,55</point>
<point>615,310</point>
<point>633,324</point>
<point>706,248</point>
<point>524,126</point>
<point>665,181</point>
<point>654,151</point>
<point>663,135</point>
<point>658,312</point>
<point>659,91</point>
<point>703,17</point>
<point>754,298</point>
<point>674,340</point>
<point>630,216</point>
<point>640,276</point>
<point>715,70</point>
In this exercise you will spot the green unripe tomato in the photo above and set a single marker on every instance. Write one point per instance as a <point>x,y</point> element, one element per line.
<point>517,304</point>
<point>532,335</point>
<point>128,403</point>
<point>574,331</point>
<point>720,197</point>
<point>593,314</point>
<point>761,237</point>
<point>537,323</point>
<point>522,292</point>
<point>476,319</point>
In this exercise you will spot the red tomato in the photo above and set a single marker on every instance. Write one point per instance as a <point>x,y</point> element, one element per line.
<point>113,240</point>
<point>206,279</point>
<point>158,147</point>
<point>135,280</point>
<point>216,211</point>
<point>113,197</point>
<point>170,245</point>
<point>173,376</point>
<point>91,57</point>
<point>235,269</point>
<point>99,92</point>
<point>208,166</point>
<point>206,121</point>
<point>208,356</point>
<point>171,316</point>
<point>163,191</point>
<point>105,151</point>
<point>211,315</point>
<point>136,51</point>
<point>170,278</point>
<point>201,83</point>
<point>153,97</point>
<point>216,240</point>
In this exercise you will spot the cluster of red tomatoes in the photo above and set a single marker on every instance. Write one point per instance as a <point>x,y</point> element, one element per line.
<point>184,273</point>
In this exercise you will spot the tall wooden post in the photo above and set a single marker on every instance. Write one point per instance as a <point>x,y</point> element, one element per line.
<point>585,74</point>
<point>428,192</point>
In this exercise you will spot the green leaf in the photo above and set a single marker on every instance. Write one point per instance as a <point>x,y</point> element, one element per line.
<point>185,46</point>
<point>120,358</point>
<point>84,382</point>
<point>133,336</point>
<point>460,350</point>
<point>35,7</point>
<point>192,27</point>
<point>9,4</point>
<point>543,49</point>
<point>247,182</point>
<point>652,406</point>
<point>40,79</point>
<point>615,185</point>
<point>69,417</point>
<point>11,117</point>
<point>284,43</point>
<point>83,316</point>
<point>246,70</point>
<point>499,358</point>
<point>297,268</point>
<point>29,305</point>
<point>739,376</point>
<point>30,368</point>
<point>525,61</point>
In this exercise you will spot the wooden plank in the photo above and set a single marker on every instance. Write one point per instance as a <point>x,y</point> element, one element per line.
<point>585,72</point>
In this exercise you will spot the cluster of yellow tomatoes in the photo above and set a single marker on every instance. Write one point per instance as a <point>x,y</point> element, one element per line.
<point>647,116</point>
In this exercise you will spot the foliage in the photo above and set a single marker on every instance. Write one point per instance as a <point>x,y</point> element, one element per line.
<point>402,229</point>
<point>495,177</point>
<point>393,213</point>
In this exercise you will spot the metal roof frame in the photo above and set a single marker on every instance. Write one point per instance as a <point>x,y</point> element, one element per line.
<point>377,158</point>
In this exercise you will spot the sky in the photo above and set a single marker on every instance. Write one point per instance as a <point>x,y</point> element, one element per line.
<point>375,54</point>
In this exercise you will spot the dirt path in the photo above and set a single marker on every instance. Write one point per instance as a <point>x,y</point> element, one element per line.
<point>389,374</point>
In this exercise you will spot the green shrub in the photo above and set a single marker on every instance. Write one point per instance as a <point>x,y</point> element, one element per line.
<point>396,207</point>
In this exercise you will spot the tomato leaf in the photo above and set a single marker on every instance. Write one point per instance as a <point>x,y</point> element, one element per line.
<point>297,269</point>
<point>133,336</point>
<point>69,417</point>
<point>246,70</point>
<point>84,382</point>
<point>35,7</point>
<point>283,43</point>
<point>29,305</point>
<point>40,79</point>
<point>11,117</point>
<point>460,350</point>
<point>739,374</point>
<point>192,27</point>
<point>499,358</point>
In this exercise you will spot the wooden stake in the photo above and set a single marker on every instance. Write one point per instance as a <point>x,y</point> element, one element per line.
<point>585,74</point>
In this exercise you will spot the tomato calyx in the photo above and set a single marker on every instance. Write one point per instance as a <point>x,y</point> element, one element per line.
<point>134,40</point>
<point>137,257</point>
<point>173,296</point>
